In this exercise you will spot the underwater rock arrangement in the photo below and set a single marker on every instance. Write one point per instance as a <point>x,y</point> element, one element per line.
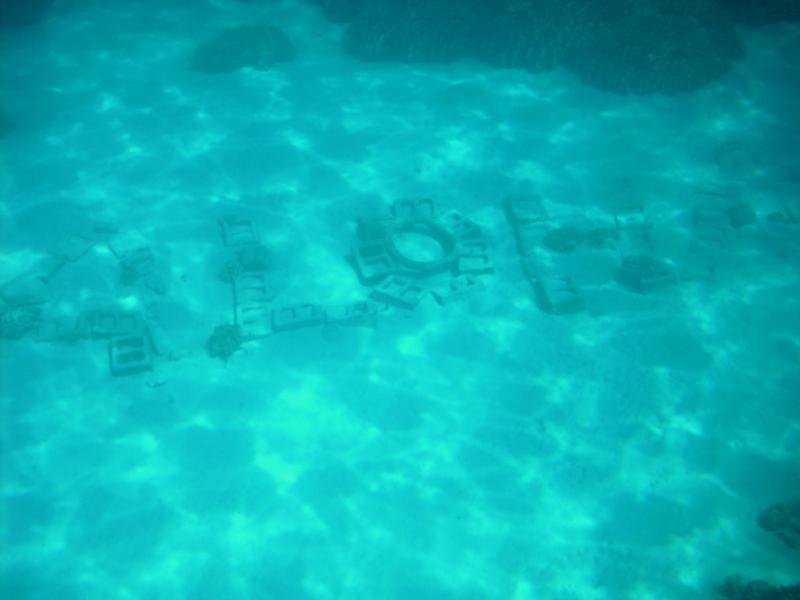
<point>622,46</point>
<point>419,250</point>
<point>258,46</point>
<point>29,304</point>
<point>23,13</point>
<point>256,315</point>
<point>556,293</point>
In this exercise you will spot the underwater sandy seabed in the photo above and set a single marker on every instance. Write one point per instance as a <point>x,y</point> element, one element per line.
<point>482,448</point>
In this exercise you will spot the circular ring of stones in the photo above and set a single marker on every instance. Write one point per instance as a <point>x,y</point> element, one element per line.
<point>427,228</point>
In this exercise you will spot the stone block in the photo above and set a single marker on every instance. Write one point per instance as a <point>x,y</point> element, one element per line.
<point>106,324</point>
<point>460,227</point>
<point>356,313</point>
<point>252,288</point>
<point>525,209</point>
<point>130,354</point>
<point>372,261</point>
<point>475,264</point>
<point>252,257</point>
<point>456,289</point>
<point>237,231</point>
<point>254,320</point>
<point>297,316</point>
<point>399,292</point>
<point>61,329</point>
<point>414,209</point>
<point>558,295</point>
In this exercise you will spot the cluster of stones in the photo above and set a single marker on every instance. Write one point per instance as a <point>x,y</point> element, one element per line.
<point>417,250</point>
<point>540,242</point>
<point>724,217</point>
<point>640,270</point>
<point>256,314</point>
<point>450,255</point>
<point>24,300</point>
<point>556,293</point>
<point>720,220</point>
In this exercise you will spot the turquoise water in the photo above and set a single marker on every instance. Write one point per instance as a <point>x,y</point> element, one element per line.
<point>490,333</point>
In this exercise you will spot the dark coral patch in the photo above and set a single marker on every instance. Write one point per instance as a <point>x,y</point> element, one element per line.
<point>257,46</point>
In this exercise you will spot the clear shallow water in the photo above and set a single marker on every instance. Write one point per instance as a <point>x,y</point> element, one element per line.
<point>479,449</point>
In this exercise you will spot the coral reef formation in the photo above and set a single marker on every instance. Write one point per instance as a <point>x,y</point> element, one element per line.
<point>763,12</point>
<point>734,588</point>
<point>622,46</point>
<point>656,46</point>
<point>224,341</point>
<point>23,13</point>
<point>783,521</point>
<point>257,46</point>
